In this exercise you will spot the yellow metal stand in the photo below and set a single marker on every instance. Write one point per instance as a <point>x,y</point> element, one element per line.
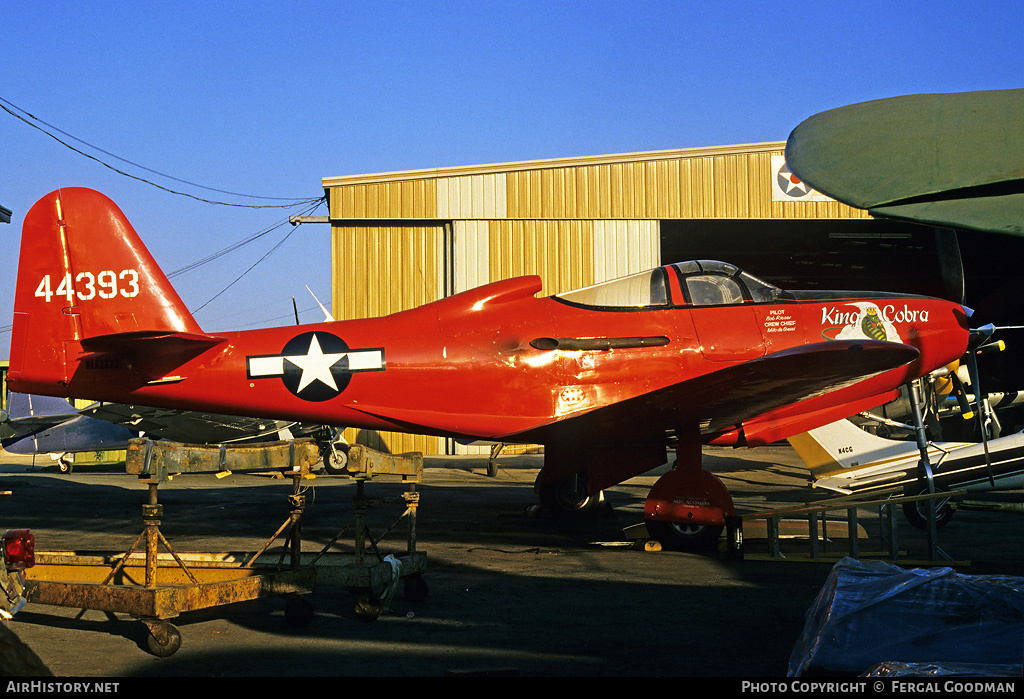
<point>155,587</point>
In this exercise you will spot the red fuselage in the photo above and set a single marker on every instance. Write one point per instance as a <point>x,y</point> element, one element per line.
<point>465,365</point>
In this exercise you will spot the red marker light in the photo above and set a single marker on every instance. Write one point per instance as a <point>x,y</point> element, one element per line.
<point>19,548</point>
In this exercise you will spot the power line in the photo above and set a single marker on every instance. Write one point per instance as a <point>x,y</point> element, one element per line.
<point>249,269</point>
<point>35,122</point>
<point>241,243</point>
<point>310,204</point>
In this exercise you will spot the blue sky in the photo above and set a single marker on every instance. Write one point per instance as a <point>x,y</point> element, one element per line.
<point>267,98</point>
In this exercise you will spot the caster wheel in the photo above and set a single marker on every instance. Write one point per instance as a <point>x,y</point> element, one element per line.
<point>366,607</point>
<point>163,642</point>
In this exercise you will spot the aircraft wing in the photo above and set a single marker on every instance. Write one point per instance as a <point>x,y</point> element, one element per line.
<point>188,426</point>
<point>777,395</point>
<point>759,401</point>
<point>951,160</point>
<point>16,429</point>
<point>32,414</point>
<point>29,415</point>
<point>731,396</point>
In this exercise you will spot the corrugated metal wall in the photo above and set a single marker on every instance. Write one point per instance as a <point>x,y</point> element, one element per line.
<point>733,182</point>
<point>377,270</point>
<point>403,239</point>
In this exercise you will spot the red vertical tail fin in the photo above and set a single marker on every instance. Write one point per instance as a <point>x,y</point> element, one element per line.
<point>83,273</point>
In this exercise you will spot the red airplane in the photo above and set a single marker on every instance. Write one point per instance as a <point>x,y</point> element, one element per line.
<point>606,378</point>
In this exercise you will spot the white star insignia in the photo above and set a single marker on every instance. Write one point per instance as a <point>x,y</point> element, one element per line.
<point>332,369</point>
<point>316,366</point>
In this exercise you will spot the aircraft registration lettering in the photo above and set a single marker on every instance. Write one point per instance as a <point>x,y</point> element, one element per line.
<point>86,286</point>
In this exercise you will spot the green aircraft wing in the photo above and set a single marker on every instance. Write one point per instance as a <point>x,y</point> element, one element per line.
<point>954,160</point>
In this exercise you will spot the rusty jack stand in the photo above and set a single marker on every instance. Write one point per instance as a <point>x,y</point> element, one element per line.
<point>371,578</point>
<point>209,580</point>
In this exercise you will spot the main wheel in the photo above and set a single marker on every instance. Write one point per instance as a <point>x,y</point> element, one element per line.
<point>569,496</point>
<point>679,536</point>
<point>916,511</point>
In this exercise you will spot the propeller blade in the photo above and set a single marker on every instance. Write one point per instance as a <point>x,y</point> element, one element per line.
<point>951,265</point>
<point>972,365</point>
<point>961,396</point>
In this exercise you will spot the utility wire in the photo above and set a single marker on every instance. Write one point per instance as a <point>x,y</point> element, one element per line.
<point>35,122</point>
<point>225,251</point>
<point>250,268</point>
<point>210,258</point>
<point>311,204</point>
<point>241,243</point>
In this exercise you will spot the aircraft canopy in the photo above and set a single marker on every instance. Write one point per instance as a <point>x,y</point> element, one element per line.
<point>703,283</point>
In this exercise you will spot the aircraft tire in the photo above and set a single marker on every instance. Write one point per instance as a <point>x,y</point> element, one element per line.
<point>916,512</point>
<point>677,536</point>
<point>334,460</point>
<point>569,497</point>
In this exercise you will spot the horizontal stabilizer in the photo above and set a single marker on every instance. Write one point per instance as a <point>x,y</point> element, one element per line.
<point>150,341</point>
<point>151,354</point>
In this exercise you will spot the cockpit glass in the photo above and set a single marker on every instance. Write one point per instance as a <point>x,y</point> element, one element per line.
<point>704,283</point>
<point>713,290</point>
<point>641,290</point>
<point>760,291</point>
<point>713,283</point>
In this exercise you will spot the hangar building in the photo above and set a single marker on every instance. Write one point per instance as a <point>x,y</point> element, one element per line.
<point>406,238</point>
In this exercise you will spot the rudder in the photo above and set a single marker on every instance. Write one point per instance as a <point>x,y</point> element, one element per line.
<point>83,273</point>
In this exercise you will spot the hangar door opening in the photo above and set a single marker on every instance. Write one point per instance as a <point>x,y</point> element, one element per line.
<point>863,254</point>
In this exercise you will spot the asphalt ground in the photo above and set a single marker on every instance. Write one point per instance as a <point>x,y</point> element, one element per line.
<point>512,589</point>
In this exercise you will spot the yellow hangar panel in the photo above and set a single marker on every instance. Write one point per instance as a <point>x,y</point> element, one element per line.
<point>479,196</point>
<point>381,270</point>
<point>709,183</point>
<point>396,199</point>
<point>377,270</point>
<point>718,182</point>
<point>561,252</point>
